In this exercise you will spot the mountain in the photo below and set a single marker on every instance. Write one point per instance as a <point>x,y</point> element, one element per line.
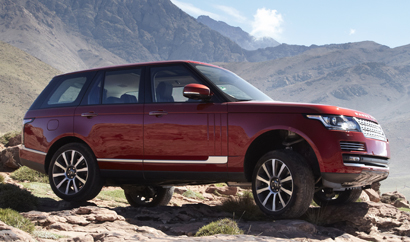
<point>79,34</point>
<point>364,76</point>
<point>22,78</point>
<point>242,38</point>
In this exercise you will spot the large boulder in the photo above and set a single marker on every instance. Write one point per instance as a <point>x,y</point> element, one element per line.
<point>10,159</point>
<point>396,199</point>
<point>374,196</point>
<point>16,140</point>
<point>9,233</point>
<point>368,218</point>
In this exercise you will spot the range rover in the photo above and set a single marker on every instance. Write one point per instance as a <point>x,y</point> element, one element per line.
<point>150,126</point>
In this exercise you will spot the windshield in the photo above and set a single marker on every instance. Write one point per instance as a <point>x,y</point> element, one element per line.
<point>232,84</point>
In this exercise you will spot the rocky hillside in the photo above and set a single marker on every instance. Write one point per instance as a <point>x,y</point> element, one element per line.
<point>22,78</point>
<point>364,76</point>
<point>79,34</point>
<point>242,38</point>
<point>110,219</point>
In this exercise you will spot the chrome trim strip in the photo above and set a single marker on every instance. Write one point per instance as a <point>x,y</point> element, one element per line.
<point>34,151</point>
<point>211,160</point>
<point>365,166</point>
<point>120,160</point>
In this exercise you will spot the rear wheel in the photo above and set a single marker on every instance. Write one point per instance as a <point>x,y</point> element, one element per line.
<point>73,173</point>
<point>283,184</point>
<point>148,196</point>
<point>329,197</point>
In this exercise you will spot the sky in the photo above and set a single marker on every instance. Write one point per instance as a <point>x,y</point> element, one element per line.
<point>318,22</point>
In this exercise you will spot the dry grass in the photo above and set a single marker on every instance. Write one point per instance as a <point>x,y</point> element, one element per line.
<point>243,207</point>
<point>13,218</point>
<point>222,226</point>
<point>22,78</point>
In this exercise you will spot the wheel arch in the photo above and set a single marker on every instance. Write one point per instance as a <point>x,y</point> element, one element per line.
<point>281,138</point>
<point>58,144</point>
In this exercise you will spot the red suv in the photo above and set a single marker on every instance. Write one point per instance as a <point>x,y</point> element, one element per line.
<point>149,126</point>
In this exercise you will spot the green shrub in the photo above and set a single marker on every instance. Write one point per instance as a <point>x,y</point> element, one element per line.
<point>13,218</point>
<point>405,209</point>
<point>7,136</point>
<point>191,194</point>
<point>243,206</point>
<point>26,174</point>
<point>39,189</point>
<point>220,184</point>
<point>222,226</point>
<point>11,196</point>
<point>116,195</point>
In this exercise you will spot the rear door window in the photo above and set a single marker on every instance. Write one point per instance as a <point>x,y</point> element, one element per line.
<point>115,87</point>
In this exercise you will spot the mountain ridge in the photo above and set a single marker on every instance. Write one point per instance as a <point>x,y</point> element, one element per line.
<point>236,34</point>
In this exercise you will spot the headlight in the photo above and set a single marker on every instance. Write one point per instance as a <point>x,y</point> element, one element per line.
<point>337,122</point>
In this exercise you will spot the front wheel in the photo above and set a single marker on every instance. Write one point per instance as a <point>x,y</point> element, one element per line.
<point>148,196</point>
<point>283,184</point>
<point>73,173</point>
<point>328,197</point>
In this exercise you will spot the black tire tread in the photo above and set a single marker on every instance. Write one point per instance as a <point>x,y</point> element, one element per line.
<point>303,184</point>
<point>164,195</point>
<point>92,188</point>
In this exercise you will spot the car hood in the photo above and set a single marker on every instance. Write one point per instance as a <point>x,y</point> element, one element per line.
<point>289,107</point>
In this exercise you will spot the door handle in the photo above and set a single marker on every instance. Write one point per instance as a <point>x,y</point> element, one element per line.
<point>158,113</point>
<point>89,114</point>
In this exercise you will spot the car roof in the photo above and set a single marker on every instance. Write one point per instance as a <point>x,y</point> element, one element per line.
<point>136,65</point>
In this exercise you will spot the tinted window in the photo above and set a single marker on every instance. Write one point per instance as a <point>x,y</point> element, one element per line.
<point>62,91</point>
<point>67,91</point>
<point>121,86</point>
<point>231,84</point>
<point>115,87</point>
<point>168,83</point>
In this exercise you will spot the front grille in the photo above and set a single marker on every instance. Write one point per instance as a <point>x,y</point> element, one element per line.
<point>371,129</point>
<point>352,146</point>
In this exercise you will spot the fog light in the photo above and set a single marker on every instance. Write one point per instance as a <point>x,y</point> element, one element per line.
<point>353,158</point>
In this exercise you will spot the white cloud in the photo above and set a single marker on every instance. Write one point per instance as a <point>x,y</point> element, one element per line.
<point>232,12</point>
<point>352,32</point>
<point>267,23</point>
<point>194,11</point>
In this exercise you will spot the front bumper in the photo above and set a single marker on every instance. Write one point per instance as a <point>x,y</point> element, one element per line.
<point>344,180</point>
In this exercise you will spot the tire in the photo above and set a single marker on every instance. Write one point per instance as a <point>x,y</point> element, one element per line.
<point>283,184</point>
<point>74,174</point>
<point>148,196</point>
<point>323,198</point>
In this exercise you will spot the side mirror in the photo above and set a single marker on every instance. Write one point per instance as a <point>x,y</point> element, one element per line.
<point>197,92</point>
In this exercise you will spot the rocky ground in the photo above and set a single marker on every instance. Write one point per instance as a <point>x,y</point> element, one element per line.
<point>376,218</point>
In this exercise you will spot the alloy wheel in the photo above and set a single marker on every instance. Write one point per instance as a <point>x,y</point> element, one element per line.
<point>70,172</point>
<point>274,185</point>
